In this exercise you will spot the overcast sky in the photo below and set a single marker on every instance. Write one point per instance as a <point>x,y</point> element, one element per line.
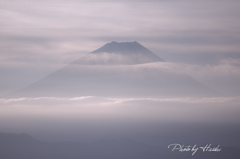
<point>196,38</point>
<point>38,37</point>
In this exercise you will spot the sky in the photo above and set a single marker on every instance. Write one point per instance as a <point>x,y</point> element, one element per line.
<point>39,37</point>
<point>200,39</point>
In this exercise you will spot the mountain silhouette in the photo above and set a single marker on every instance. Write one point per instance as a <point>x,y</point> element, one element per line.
<point>115,53</point>
<point>117,70</point>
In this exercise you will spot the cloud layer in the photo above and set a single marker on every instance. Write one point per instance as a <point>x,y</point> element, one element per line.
<point>79,118</point>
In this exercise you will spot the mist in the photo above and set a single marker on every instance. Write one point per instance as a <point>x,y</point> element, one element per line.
<point>94,118</point>
<point>61,99</point>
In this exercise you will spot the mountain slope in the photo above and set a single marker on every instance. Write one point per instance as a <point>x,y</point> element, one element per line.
<point>117,70</point>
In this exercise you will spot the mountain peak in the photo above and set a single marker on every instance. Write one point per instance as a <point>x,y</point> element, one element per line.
<point>132,50</point>
<point>120,47</point>
<point>114,42</point>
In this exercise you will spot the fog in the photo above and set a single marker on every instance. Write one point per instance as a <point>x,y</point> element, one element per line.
<point>57,101</point>
<point>93,118</point>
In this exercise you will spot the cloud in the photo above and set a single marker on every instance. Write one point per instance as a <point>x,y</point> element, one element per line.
<point>179,100</point>
<point>112,101</point>
<point>225,68</point>
<point>63,26</point>
<point>13,100</point>
<point>223,77</point>
<point>86,110</point>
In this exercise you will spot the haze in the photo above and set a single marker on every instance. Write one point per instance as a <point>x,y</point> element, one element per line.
<point>170,74</point>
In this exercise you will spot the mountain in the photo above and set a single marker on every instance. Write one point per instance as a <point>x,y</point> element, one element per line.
<point>115,53</point>
<point>117,70</point>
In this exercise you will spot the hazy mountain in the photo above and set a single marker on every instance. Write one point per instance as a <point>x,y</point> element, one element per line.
<point>120,53</point>
<point>117,70</point>
<point>23,146</point>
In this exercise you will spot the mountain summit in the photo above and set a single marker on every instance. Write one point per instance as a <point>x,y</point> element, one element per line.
<point>127,48</point>
<point>115,53</point>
